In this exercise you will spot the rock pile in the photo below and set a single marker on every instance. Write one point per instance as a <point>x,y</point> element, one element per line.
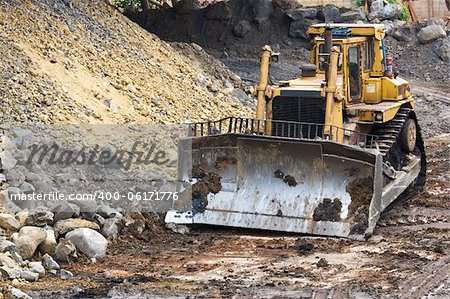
<point>84,62</point>
<point>32,250</point>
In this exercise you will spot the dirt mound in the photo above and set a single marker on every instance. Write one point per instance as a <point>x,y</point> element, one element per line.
<point>84,62</point>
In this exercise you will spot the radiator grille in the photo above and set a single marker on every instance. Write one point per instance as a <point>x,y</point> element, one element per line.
<point>305,110</point>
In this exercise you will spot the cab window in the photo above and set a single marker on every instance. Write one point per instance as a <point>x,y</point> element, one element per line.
<point>353,60</point>
<point>323,56</point>
<point>368,55</point>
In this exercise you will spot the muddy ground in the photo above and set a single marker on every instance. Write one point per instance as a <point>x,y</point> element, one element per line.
<point>408,255</point>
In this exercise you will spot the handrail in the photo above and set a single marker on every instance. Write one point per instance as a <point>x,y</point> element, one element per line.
<point>281,129</point>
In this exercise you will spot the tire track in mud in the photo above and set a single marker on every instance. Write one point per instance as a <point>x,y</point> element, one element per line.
<point>425,280</point>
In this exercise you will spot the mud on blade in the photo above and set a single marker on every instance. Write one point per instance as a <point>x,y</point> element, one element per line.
<point>312,187</point>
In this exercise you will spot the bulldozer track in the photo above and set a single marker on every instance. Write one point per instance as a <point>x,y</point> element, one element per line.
<point>389,132</point>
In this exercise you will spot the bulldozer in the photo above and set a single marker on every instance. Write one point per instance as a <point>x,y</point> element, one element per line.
<point>325,154</point>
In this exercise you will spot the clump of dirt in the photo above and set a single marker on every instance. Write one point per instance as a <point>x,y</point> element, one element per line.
<point>328,210</point>
<point>288,179</point>
<point>361,191</point>
<point>208,182</point>
<point>322,263</point>
<point>303,247</point>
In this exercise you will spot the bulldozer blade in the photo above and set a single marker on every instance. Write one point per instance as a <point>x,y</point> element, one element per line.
<point>260,182</point>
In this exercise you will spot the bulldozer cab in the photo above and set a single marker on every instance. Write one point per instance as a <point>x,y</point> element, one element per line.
<point>356,61</point>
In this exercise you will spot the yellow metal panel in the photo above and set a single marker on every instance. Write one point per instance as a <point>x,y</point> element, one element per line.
<point>367,112</point>
<point>372,90</point>
<point>376,30</point>
<point>390,89</point>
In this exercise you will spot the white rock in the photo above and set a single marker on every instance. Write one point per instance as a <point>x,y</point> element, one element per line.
<point>28,239</point>
<point>65,274</point>
<point>9,222</point>
<point>16,293</point>
<point>29,275</point>
<point>10,273</point>
<point>37,267</point>
<point>49,263</point>
<point>8,161</point>
<point>111,227</point>
<point>49,244</point>
<point>89,242</point>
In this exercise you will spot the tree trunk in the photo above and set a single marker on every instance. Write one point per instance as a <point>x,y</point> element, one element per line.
<point>144,5</point>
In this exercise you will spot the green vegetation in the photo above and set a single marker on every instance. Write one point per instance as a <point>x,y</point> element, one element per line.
<point>405,16</point>
<point>359,2</point>
<point>125,4</point>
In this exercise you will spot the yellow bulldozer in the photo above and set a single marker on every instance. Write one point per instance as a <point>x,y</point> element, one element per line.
<point>325,154</point>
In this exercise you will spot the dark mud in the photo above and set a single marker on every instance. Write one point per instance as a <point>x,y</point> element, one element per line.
<point>287,178</point>
<point>328,210</point>
<point>208,182</point>
<point>361,191</point>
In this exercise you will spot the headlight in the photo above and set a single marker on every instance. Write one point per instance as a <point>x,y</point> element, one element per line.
<point>379,116</point>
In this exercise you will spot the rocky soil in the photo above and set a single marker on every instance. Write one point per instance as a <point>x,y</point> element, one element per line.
<point>84,62</point>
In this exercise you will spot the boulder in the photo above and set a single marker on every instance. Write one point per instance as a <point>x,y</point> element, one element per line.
<point>63,226</point>
<point>65,250</point>
<point>28,239</point>
<point>22,216</point>
<point>219,11</point>
<point>382,11</point>
<point>99,220</point>
<point>328,14</point>
<point>431,33</point>
<point>39,217</point>
<point>6,245</point>
<point>37,267</point>
<point>178,228</point>
<point>298,29</point>
<point>29,275</point>
<point>49,263</point>
<point>7,260</point>
<point>112,227</point>
<point>89,242</point>
<point>63,210</point>
<point>49,244</point>
<point>242,28</point>
<point>261,10</point>
<point>308,12</point>
<point>9,222</point>
<point>15,177</point>
<point>27,188</point>
<point>88,208</point>
<point>442,48</point>
<point>10,273</point>
<point>7,160</point>
<point>353,15</point>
